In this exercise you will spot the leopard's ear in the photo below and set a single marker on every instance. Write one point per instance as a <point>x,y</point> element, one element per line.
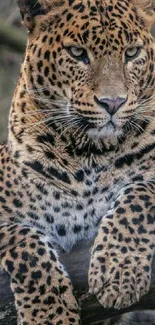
<point>146,10</point>
<point>30,9</point>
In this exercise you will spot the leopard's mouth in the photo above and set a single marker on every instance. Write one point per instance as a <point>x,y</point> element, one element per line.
<point>106,126</point>
<point>95,129</point>
<point>107,131</point>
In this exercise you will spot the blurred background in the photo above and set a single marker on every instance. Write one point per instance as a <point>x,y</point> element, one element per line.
<point>12,45</point>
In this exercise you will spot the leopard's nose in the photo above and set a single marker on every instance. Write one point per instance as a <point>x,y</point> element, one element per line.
<point>110,105</point>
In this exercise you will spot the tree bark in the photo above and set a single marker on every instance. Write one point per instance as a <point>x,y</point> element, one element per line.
<point>76,263</point>
<point>12,37</point>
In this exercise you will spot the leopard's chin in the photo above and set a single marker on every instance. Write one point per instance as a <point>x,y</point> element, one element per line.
<point>110,130</point>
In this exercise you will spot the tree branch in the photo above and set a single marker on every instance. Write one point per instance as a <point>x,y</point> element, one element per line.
<point>76,263</point>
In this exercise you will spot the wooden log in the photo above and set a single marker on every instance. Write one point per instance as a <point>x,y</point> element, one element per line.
<point>76,263</point>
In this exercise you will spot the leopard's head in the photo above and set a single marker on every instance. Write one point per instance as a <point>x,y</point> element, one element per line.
<point>91,62</point>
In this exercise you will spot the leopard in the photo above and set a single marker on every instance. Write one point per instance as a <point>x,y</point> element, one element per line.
<point>78,164</point>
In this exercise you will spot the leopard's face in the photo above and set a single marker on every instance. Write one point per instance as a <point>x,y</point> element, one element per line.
<point>92,64</point>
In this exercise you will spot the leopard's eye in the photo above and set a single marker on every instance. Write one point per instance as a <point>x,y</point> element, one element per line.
<point>132,53</point>
<point>78,53</point>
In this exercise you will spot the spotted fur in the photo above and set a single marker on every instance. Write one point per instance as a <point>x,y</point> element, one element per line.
<point>79,162</point>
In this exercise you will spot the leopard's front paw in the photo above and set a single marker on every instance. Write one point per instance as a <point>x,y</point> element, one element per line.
<point>117,276</point>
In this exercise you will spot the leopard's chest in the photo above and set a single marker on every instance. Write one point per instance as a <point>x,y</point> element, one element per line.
<point>71,217</point>
<point>77,219</point>
<point>69,213</point>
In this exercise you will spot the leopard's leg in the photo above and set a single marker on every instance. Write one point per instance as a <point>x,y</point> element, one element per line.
<point>42,289</point>
<point>120,268</point>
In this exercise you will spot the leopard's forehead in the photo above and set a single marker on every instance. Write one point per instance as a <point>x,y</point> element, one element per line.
<point>100,5</point>
<point>97,22</point>
<point>104,12</point>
